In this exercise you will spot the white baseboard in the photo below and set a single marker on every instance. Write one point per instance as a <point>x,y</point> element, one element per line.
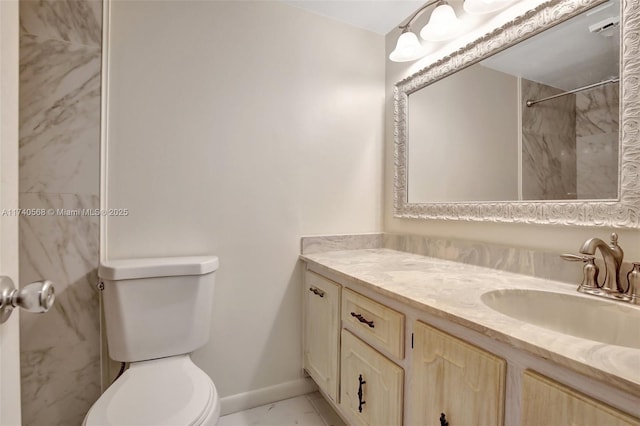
<point>255,398</point>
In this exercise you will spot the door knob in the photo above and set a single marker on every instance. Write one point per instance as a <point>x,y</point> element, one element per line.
<point>35,297</point>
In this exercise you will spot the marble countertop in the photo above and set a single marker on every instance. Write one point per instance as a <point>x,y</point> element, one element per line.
<point>453,291</point>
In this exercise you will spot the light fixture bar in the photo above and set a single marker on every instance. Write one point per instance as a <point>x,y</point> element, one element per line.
<point>417,13</point>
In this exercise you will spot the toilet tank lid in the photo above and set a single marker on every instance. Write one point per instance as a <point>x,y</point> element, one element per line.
<point>127,269</point>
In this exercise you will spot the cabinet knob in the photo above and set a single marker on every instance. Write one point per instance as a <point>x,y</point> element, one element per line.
<point>363,319</point>
<point>443,420</point>
<point>360,401</point>
<point>316,291</point>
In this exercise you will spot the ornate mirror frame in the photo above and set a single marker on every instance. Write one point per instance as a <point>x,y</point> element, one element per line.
<point>622,213</point>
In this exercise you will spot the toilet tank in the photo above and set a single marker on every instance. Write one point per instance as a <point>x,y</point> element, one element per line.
<point>157,307</point>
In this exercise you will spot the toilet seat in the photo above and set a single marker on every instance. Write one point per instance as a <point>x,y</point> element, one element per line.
<point>168,391</point>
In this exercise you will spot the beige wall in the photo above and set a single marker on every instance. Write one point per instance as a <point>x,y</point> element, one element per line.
<point>234,129</point>
<point>549,237</point>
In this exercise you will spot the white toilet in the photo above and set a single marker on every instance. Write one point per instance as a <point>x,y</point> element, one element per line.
<point>157,311</point>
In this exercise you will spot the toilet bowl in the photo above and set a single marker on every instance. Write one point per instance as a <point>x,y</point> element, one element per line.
<point>168,391</point>
<point>157,311</point>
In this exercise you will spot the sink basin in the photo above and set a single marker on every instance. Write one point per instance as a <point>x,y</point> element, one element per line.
<point>607,322</point>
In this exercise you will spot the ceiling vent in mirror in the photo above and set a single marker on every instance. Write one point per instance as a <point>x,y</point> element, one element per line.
<point>606,27</point>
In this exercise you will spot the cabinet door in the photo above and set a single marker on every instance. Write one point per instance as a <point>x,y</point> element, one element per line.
<point>545,402</point>
<point>321,332</point>
<point>370,385</point>
<point>454,378</point>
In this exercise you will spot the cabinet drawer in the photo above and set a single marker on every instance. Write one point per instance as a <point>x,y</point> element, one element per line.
<point>376,323</point>
<point>371,385</point>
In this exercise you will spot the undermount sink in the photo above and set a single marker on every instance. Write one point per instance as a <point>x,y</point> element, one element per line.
<point>598,320</point>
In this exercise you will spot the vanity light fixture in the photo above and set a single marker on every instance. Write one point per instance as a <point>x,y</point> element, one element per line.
<point>443,25</point>
<point>408,47</point>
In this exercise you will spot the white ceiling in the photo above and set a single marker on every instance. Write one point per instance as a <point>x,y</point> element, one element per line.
<point>378,16</point>
<point>578,56</point>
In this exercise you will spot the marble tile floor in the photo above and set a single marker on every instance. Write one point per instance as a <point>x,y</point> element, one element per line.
<point>305,410</point>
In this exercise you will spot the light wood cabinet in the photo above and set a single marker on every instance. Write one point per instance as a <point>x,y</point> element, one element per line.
<point>356,351</point>
<point>371,385</point>
<point>545,402</point>
<point>454,378</point>
<point>321,332</point>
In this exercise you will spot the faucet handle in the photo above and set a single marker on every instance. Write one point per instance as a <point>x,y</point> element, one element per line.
<point>633,281</point>
<point>577,257</point>
<point>590,271</point>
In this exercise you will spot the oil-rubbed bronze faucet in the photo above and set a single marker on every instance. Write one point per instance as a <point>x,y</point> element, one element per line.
<point>611,286</point>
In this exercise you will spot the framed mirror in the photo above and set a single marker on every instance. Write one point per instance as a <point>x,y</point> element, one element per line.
<point>536,122</point>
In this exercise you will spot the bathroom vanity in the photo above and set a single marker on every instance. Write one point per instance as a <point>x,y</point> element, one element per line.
<point>395,338</point>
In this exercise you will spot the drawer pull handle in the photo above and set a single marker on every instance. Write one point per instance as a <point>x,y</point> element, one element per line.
<point>362,319</point>
<point>360,401</point>
<point>316,291</point>
<point>443,420</point>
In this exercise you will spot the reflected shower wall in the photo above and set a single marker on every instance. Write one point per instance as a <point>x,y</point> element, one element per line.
<point>569,144</point>
<point>548,144</point>
<point>597,142</point>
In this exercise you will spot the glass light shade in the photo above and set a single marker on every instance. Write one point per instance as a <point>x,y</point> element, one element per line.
<point>408,48</point>
<point>443,24</point>
<point>479,7</point>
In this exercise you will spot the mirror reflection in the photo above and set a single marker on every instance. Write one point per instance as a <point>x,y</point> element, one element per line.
<point>537,121</point>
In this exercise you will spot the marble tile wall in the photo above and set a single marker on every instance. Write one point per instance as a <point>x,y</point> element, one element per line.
<point>548,144</point>
<point>597,142</point>
<point>535,263</point>
<point>60,54</point>
<point>319,244</point>
<point>512,259</point>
